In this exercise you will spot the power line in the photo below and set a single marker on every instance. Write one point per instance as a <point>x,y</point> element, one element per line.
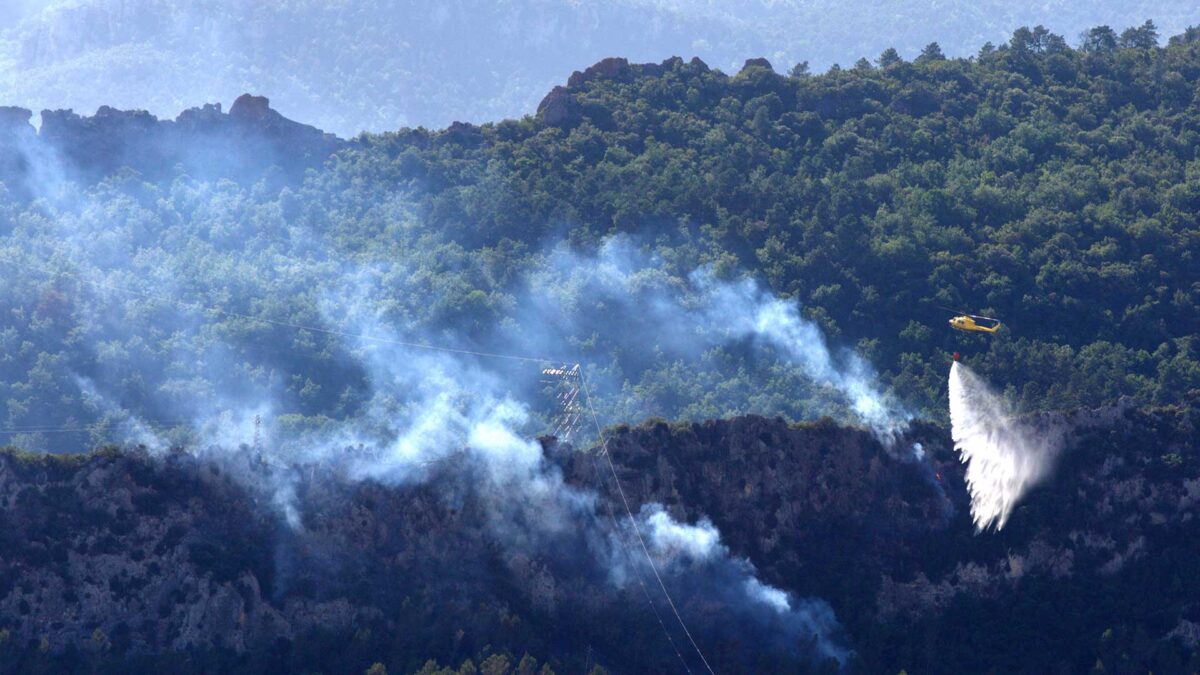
<point>638,574</point>
<point>636,530</point>
<point>415,345</point>
<point>196,306</point>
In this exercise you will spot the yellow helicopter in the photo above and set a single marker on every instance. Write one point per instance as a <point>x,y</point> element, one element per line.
<point>971,323</point>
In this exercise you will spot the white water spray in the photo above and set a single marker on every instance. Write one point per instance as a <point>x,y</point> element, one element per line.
<point>1004,459</point>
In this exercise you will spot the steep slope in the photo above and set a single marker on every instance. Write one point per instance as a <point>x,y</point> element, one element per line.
<point>117,557</point>
<point>1099,562</point>
<point>867,197</point>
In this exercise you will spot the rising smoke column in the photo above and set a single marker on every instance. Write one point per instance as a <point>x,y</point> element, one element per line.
<point>1004,459</point>
<point>458,413</point>
<point>421,410</point>
<point>664,316</point>
<point>704,572</point>
<point>744,308</point>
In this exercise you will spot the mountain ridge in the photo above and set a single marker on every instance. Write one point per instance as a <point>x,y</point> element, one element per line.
<point>461,60</point>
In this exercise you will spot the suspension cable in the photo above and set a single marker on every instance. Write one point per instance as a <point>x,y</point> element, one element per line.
<point>415,345</point>
<point>636,530</point>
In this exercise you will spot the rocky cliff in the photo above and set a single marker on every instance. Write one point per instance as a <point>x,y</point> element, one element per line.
<point>1098,563</point>
<point>121,558</point>
<point>203,142</point>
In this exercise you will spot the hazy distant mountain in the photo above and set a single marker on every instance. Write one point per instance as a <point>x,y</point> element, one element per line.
<point>351,65</point>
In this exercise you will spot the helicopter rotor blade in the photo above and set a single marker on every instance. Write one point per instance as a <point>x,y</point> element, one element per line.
<point>964,312</point>
<point>952,310</point>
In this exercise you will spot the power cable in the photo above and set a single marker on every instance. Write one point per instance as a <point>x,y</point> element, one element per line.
<point>420,345</point>
<point>638,574</point>
<point>636,530</point>
<point>274,322</point>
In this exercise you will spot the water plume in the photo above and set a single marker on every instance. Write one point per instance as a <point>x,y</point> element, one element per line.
<point>1004,458</point>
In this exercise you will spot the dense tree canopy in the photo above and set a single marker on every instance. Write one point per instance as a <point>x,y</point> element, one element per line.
<point>1056,188</point>
<point>1050,186</point>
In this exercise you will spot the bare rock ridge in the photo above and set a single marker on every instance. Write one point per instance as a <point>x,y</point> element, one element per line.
<point>758,63</point>
<point>203,141</point>
<point>16,134</point>
<point>250,108</point>
<point>207,142</point>
<point>14,121</point>
<point>567,106</point>
<point>562,106</point>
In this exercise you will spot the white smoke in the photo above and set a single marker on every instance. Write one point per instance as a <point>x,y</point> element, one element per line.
<point>745,309</point>
<point>118,421</point>
<point>689,318</point>
<point>1004,458</point>
<point>694,555</point>
<point>436,414</point>
<point>669,538</point>
<point>423,412</point>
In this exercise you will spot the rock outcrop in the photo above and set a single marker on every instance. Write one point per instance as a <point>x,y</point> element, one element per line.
<point>15,121</point>
<point>16,136</point>
<point>758,63</point>
<point>203,142</point>
<point>560,108</point>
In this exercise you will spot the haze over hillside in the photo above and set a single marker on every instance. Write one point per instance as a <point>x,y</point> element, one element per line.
<point>357,65</point>
<point>349,397</point>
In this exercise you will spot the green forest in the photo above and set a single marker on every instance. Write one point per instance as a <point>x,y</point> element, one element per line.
<point>1054,187</point>
<point>187,300</point>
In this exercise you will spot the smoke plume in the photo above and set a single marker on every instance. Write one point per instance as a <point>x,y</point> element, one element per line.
<point>697,319</point>
<point>282,353</point>
<point>745,309</point>
<point>695,555</point>
<point>1004,458</point>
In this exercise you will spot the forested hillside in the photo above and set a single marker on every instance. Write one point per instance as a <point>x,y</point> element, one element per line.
<point>1055,188</point>
<point>117,561</point>
<point>1052,187</point>
<point>327,360</point>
